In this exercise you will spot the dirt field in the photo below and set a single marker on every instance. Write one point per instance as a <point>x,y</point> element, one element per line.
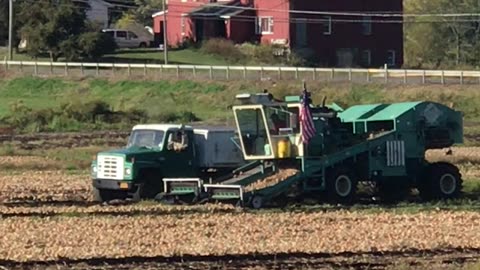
<point>49,221</point>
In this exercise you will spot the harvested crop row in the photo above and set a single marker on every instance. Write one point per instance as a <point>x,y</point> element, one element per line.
<point>455,154</point>
<point>127,209</point>
<point>27,239</point>
<point>55,140</point>
<point>44,186</point>
<point>28,163</point>
<point>280,176</point>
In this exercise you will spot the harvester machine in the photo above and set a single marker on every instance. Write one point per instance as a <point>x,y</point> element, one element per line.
<point>324,151</point>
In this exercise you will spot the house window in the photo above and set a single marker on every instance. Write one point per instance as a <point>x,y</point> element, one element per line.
<point>391,58</point>
<point>301,32</point>
<point>182,25</point>
<point>264,25</point>
<point>367,25</point>
<point>327,25</point>
<point>366,57</point>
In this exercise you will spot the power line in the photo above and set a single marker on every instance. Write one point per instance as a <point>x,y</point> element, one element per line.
<point>246,18</point>
<point>336,13</point>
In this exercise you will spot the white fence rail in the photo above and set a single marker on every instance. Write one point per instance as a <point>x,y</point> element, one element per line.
<point>243,72</point>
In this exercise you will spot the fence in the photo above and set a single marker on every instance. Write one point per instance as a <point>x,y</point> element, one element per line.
<point>157,71</point>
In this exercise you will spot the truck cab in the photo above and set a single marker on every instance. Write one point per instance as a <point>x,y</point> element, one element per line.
<point>152,152</point>
<point>159,151</point>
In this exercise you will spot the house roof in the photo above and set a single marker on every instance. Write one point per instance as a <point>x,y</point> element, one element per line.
<point>216,10</point>
<point>87,3</point>
<point>160,13</point>
<point>122,3</point>
<point>103,3</point>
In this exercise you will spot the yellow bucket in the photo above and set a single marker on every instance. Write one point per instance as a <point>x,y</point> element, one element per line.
<point>283,146</point>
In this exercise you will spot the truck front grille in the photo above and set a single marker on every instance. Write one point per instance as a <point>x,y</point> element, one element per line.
<point>110,167</point>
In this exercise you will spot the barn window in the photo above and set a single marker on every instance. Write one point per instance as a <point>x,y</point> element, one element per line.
<point>367,25</point>
<point>366,57</point>
<point>391,58</point>
<point>327,25</point>
<point>264,25</point>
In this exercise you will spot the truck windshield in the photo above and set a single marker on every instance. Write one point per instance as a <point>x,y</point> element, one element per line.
<point>146,138</point>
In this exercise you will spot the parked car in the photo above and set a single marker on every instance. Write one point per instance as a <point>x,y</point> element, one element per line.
<point>127,39</point>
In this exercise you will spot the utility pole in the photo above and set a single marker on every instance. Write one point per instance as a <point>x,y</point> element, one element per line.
<point>10,29</point>
<point>165,41</point>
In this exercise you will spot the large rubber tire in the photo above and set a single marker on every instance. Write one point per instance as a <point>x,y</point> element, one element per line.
<point>106,195</point>
<point>341,186</point>
<point>441,181</point>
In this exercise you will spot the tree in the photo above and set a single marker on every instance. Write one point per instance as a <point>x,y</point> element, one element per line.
<point>143,14</point>
<point>442,41</point>
<point>94,44</point>
<point>59,28</point>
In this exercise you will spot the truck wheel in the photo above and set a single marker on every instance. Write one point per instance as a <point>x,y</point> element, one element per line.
<point>105,195</point>
<point>341,186</point>
<point>442,181</point>
<point>257,202</point>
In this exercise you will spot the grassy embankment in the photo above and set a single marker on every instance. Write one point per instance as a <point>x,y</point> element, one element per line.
<point>181,101</point>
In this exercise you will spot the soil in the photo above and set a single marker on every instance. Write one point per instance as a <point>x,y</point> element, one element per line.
<point>415,259</point>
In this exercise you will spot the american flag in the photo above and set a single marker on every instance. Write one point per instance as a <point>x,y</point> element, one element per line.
<point>306,119</point>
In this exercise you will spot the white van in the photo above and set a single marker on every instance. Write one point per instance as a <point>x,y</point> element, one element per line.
<point>127,39</point>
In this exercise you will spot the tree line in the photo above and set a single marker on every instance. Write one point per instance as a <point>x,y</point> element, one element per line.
<point>441,41</point>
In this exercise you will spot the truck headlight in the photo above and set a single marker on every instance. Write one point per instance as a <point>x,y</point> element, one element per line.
<point>128,171</point>
<point>94,171</point>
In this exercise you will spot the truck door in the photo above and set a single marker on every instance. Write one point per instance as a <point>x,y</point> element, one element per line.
<point>179,157</point>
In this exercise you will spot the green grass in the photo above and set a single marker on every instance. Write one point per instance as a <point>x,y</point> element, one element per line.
<point>210,100</point>
<point>154,56</point>
<point>185,56</point>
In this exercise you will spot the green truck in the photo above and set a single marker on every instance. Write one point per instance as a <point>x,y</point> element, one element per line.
<point>158,151</point>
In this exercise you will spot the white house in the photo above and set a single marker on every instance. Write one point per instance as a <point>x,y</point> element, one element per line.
<point>98,12</point>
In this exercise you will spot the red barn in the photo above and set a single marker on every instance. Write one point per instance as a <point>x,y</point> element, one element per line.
<point>323,30</point>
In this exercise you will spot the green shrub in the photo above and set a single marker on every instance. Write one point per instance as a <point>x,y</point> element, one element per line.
<point>95,44</point>
<point>223,48</point>
<point>174,117</point>
<point>188,117</point>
